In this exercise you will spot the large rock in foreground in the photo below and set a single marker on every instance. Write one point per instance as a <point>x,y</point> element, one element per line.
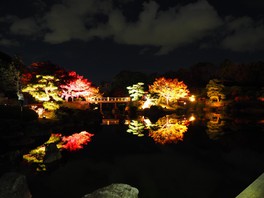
<point>114,191</point>
<point>14,185</point>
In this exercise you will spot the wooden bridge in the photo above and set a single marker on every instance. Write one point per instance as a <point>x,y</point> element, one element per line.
<point>109,100</point>
<point>100,101</point>
<point>113,100</point>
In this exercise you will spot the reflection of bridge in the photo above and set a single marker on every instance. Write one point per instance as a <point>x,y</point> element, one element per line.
<point>113,121</point>
<point>110,121</point>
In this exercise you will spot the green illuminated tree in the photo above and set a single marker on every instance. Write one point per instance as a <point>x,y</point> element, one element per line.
<point>136,91</point>
<point>215,90</point>
<point>9,78</point>
<point>136,127</point>
<point>10,74</point>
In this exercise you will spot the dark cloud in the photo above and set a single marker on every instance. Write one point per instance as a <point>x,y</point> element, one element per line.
<point>67,21</point>
<point>57,22</point>
<point>244,34</point>
<point>168,29</point>
<point>26,27</point>
<point>8,42</point>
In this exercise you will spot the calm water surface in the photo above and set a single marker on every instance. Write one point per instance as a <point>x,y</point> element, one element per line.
<point>215,158</point>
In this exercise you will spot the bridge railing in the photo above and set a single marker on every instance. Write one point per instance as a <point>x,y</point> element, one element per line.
<point>109,99</point>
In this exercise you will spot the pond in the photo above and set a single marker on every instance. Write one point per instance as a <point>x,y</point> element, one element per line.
<point>209,157</point>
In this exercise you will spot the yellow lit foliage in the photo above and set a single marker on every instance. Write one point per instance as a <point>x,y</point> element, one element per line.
<point>169,90</point>
<point>44,90</point>
<point>51,106</point>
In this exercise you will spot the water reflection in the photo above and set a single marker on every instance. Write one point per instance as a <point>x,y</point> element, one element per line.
<point>168,129</point>
<point>219,124</point>
<point>171,128</point>
<point>136,127</point>
<point>76,141</point>
<point>215,125</point>
<point>50,151</point>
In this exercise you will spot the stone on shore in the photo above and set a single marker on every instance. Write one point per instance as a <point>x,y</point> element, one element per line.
<point>114,191</point>
<point>14,185</point>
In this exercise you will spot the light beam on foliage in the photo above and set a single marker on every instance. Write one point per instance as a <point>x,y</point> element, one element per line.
<point>39,110</point>
<point>149,102</point>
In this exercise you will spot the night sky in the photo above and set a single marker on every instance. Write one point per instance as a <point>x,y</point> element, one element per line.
<point>98,39</point>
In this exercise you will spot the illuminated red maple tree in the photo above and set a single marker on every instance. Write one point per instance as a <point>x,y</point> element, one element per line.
<point>47,68</point>
<point>25,78</point>
<point>76,141</point>
<point>77,86</point>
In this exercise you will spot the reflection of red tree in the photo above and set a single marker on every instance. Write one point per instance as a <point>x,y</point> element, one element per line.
<point>76,141</point>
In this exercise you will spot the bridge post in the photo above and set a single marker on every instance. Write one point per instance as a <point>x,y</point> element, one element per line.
<point>101,107</point>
